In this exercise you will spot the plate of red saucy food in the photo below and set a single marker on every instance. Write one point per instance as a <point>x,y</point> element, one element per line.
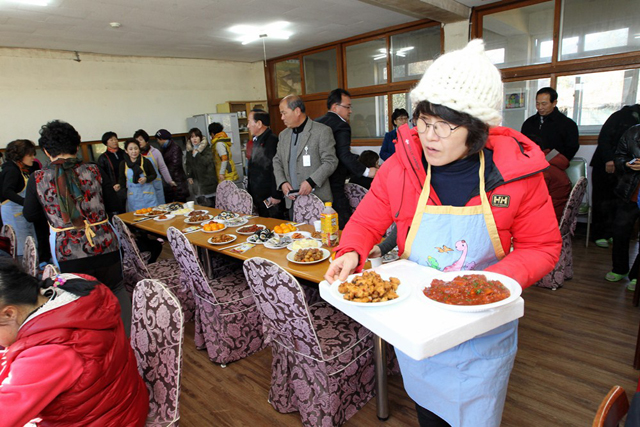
<point>471,291</point>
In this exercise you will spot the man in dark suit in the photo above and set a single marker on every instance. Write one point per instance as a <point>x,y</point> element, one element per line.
<point>306,154</point>
<point>262,182</point>
<point>339,106</point>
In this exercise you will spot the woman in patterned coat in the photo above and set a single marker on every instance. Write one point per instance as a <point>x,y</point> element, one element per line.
<point>75,199</point>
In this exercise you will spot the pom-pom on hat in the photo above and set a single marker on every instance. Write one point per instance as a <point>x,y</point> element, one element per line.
<point>163,134</point>
<point>464,80</point>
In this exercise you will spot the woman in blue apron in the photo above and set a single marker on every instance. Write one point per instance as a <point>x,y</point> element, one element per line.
<point>14,176</point>
<point>137,174</point>
<point>462,191</point>
<point>151,153</point>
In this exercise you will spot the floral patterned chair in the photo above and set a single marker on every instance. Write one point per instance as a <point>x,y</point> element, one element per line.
<point>322,360</point>
<point>10,233</point>
<point>134,269</point>
<point>228,324</point>
<point>564,267</point>
<point>30,257</point>
<point>226,195</point>
<point>157,337</point>
<point>49,270</point>
<point>242,203</point>
<point>354,193</point>
<point>307,208</point>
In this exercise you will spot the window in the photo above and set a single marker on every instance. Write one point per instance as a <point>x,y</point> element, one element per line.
<point>369,117</point>
<point>589,99</point>
<point>288,79</point>
<point>520,101</point>
<point>367,63</point>
<point>521,36</point>
<point>412,52</point>
<point>593,28</point>
<point>320,71</point>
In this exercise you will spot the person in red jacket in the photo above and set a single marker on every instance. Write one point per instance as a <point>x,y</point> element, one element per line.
<point>67,361</point>
<point>459,180</point>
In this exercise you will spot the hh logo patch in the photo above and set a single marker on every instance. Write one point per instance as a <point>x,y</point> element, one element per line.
<point>500,201</point>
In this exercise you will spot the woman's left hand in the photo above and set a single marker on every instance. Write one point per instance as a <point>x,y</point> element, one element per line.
<point>142,180</point>
<point>221,178</point>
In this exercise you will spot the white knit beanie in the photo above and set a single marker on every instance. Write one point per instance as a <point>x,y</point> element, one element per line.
<point>464,80</point>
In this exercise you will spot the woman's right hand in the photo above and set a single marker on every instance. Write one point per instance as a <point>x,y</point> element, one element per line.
<point>221,178</point>
<point>116,187</point>
<point>342,267</point>
<point>190,181</point>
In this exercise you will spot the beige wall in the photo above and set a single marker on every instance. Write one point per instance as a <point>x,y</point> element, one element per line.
<point>121,94</point>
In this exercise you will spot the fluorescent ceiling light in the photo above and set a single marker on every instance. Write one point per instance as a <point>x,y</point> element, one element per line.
<point>32,2</point>
<point>251,33</point>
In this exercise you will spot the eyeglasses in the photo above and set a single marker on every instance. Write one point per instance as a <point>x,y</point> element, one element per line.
<point>441,129</point>
<point>348,107</point>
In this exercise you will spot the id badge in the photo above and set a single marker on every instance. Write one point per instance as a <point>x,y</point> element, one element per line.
<point>306,160</point>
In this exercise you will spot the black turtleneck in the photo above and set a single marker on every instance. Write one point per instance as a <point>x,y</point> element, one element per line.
<point>300,128</point>
<point>455,182</point>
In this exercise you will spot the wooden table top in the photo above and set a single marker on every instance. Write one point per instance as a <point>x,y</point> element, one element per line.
<point>311,272</point>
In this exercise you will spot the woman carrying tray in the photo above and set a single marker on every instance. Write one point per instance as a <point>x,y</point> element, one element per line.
<point>469,190</point>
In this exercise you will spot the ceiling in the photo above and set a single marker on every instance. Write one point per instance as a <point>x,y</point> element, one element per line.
<point>189,28</point>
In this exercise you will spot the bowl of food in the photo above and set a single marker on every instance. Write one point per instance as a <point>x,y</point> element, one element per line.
<point>248,230</point>
<point>370,289</point>
<point>213,227</point>
<point>222,239</point>
<point>308,256</point>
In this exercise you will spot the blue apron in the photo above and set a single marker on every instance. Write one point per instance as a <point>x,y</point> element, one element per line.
<point>139,196</point>
<point>12,215</point>
<point>157,183</point>
<point>465,385</point>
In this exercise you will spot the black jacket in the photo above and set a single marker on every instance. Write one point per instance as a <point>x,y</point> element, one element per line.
<point>557,132</point>
<point>110,163</point>
<point>262,182</point>
<point>628,149</point>
<point>348,161</point>
<point>12,182</point>
<point>611,132</point>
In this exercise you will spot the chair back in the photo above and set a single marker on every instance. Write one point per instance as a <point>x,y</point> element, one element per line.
<point>30,257</point>
<point>50,270</point>
<point>131,258</point>
<point>572,208</point>
<point>10,233</point>
<point>225,193</point>
<point>157,337</point>
<point>355,193</point>
<point>187,258</point>
<point>241,202</point>
<point>612,409</point>
<point>283,306</point>
<point>307,208</point>
<point>577,169</point>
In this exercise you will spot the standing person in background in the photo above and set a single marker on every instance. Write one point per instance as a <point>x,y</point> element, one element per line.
<point>75,200</point>
<point>109,162</point>
<point>14,176</point>
<point>137,175</point>
<point>604,176</point>
<point>155,156</point>
<point>172,155</point>
<point>221,144</point>
<point>399,117</point>
<point>201,170</point>
<point>371,160</point>
<point>459,178</point>
<point>262,182</point>
<point>339,106</point>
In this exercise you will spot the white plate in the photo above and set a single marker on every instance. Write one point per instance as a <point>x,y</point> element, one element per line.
<point>188,221</point>
<point>211,232</point>
<point>249,233</point>
<point>254,239</point>
<point>168,218</point>
<point>513,286</point>
<point>318,244</point>
<point>137,214</point>
<point>306,234</point>
<point>235,222</point>
<point>231,215</point>
<point>403,291</point>
<point>199,211</point>
<point>225,243</point>
<point>325,255</point>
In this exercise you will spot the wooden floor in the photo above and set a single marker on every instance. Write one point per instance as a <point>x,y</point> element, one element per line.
<point>574,344</point>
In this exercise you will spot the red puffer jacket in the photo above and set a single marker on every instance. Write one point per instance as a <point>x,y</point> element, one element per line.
<point>516,190</point>
<point>72,365</point>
